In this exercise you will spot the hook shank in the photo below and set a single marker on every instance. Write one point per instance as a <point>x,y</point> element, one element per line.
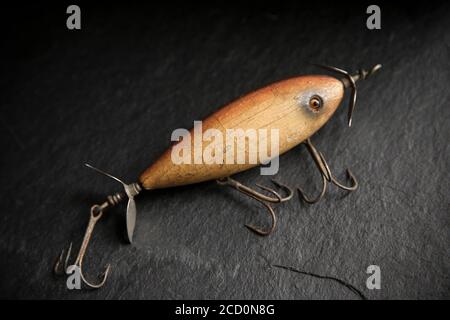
<point>96,214</point>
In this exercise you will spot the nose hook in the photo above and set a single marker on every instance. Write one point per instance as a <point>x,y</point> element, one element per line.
<point>350,81</point>
<point>261,198</point>
<point>61,268</point>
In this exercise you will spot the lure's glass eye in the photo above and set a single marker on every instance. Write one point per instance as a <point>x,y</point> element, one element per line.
<point>315,103</point>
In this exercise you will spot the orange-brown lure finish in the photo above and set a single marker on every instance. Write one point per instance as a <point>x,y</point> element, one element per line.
<point>297,107</point>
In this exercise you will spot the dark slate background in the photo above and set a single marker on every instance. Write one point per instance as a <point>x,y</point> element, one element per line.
<point>112,93</point>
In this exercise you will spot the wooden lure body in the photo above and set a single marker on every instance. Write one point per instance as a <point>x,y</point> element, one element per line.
<point>296,108</point>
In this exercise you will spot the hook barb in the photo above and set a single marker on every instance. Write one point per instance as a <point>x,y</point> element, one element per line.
<point>57,269</point>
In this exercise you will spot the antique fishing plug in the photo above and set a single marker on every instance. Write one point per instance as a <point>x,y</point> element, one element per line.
<point>291,110</point>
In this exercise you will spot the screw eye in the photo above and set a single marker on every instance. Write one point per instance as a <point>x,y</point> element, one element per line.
<point>315,103</point>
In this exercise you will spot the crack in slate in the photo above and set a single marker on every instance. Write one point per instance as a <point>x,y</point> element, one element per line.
<point>315,275</point>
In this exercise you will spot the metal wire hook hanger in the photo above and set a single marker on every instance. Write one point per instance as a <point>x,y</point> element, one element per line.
<point>261,198</point>
<point>62,266</point>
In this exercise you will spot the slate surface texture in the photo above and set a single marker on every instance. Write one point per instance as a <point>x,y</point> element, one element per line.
<point>111,94</point>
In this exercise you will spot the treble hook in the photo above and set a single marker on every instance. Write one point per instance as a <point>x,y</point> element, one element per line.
<point>96,214</point>
<point>261,198</point>
<point>350,81</point>
<point>326,174</point>
<point>131,190</point>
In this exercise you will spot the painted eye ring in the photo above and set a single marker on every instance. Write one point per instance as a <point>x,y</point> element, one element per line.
<point>315,103</point>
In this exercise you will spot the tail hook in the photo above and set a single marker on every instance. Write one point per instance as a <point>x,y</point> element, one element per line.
<point>326,174</point>
<point>61,266</point>
<point>261,198</point>
<point>131,190</point>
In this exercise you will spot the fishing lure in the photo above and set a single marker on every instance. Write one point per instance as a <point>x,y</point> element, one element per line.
<point>296,108</point>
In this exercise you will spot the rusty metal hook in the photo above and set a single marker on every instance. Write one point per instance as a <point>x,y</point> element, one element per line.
<point>96,214</point>
<point>350,81</point>
<point>131,190</point>
<point>326,174</point>
<point>261,198</point>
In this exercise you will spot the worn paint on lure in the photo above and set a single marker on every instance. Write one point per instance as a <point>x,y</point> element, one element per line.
<point>284,106</point>
<point>297,107</point>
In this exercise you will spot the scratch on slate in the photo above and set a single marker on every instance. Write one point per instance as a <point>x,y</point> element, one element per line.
<point>346,284</point>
